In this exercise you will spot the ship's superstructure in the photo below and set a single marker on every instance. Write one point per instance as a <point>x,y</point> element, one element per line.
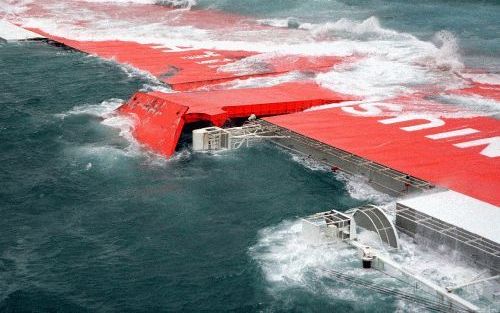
<point>444,167</point>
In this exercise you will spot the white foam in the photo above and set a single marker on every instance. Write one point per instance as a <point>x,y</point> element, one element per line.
<point>123,1</point>
<point>358,188</point>
<point>287,259</point>
<point>484,78</point>
<point>282,23</point>
<point>474,103</point>
<point>444,271</point>
<point>132,72</point>
<point>250,65</point>
<point>11,8</point>
<point>447,56</point>
<point>375,78</point>
<point>104,109</point>
<point>108,154</point>
<point>9,31</point>
<point>178,4</point>
<point>367,29</point>
<point>287,262</point>
<point>393,61</point>
<point>156,87</point>
<point>253,82</point>
<point>309,163</point>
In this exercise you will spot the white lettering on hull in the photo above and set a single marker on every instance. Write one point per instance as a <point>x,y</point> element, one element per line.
<point>492,149</point>
<point>205,55</point>
<point>453,133</point>
<point>371,109</point>
<point>431,121</point>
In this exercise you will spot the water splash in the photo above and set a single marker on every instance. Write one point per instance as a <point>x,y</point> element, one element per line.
<point>177,4</point>
<point>309,163</point>
<point>288,261</point>
<point>368,29</point>
<point>359,188</point>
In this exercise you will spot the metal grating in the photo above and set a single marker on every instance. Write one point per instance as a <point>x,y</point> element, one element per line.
<point>335,219</point>
<point>372,218</point>
<point>452,232</point>
<point>353,159</point>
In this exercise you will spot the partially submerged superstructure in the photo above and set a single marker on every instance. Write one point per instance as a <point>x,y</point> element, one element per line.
<point>216,139</point>
<point>342,225</point>
<point>404,147</point>
<point>462,223</point>
<point>335,226</point>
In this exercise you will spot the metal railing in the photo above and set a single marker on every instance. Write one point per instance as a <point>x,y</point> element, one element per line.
<point>350,158</point>
<point>460,235</point>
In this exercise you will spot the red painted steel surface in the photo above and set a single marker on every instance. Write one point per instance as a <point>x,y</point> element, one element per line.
<point>471,169</point>
<point>206,70</point>
<point>158,123</point>
<point>440,161</point>
<point>186,70</point>
<point>161,116</point>
<point>488,91</point>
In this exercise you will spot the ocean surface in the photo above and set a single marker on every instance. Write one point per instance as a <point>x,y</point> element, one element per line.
<point>90,221</point>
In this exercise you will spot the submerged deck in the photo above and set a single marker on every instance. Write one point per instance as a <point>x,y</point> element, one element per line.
<point>160,117</point>
<point>453,219</point>
<point>411,136</point>
<point>461,154</point>
<point>410,144</point>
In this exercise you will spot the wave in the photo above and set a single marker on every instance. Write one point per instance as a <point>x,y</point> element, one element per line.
<point>288,262</point>
<point>368,29</point>
<point>359,188</point>
<point>110,154</point>
<point>388,63</point>
<point>176,4</point>
<point>122,1</point>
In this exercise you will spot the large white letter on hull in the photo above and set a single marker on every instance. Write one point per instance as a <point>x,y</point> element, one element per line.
<point>431,121</point>
<point>453,133</point>
<point>492,149</point>
<point>371,109</point>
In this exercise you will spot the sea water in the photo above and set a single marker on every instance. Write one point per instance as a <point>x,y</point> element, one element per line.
<point>92,221</point>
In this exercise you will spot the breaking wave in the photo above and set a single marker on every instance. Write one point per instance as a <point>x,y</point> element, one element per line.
<point>106,112</point>
<point>123,1</point>
<point>177,4</point>
<point>288,262</point>
<point>368,29</point>
<point>388,63</point>
<point>309,163</point>
<point>359,188</point>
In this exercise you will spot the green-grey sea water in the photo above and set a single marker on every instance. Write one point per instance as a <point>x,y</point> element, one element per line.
<point>88,225</point>
<point>92,222</point>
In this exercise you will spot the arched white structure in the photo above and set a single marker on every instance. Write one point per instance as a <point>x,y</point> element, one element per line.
<point>374,219</point>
